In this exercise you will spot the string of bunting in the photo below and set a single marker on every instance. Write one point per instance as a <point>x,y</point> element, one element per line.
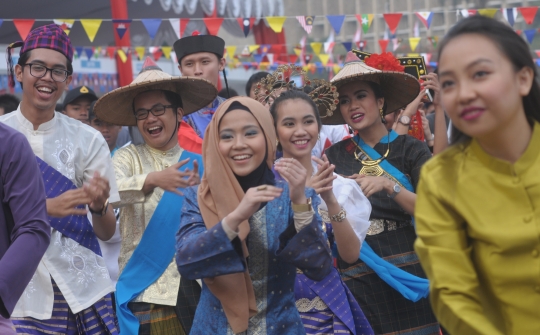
<point>268,55</point>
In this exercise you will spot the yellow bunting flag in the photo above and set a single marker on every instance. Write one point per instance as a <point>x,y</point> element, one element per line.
<point>324,58</point>
<point>253,47</point>
<point>298,51</point>
<point>122,55</point>
<point>316,46</point>
<point>140,52</point>
<point>91,27</point>
<point>276,22</point>
<point>336,68</point>
<point>413,41</point>
<point>231,50</point>
<point>166,51</point>
<point>489,12</point>
<point>306,68</point>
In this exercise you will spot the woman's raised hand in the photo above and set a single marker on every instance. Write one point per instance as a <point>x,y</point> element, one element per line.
<point>295,175</point>
<point>322,181</point>
<point>251,203</point>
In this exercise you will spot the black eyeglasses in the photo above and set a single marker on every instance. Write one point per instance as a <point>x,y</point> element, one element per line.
<point>157,110</point>
<point>40,71</point>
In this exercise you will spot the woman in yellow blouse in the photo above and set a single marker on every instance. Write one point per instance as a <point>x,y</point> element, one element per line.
<point>478,205</point>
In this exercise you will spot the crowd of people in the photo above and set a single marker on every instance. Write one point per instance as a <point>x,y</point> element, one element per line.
<point>373,203</point>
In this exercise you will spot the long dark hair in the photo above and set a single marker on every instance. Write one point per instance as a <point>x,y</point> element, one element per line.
<point>512,46</point>
<point>293,94</point>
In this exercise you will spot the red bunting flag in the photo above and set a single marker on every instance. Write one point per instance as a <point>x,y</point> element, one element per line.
<point>23,27</point>
<point>111,51</point>
<point>213,24</point>
<point>392,20</point>
<point>528,13</point>
<point>157,54</point>
<point>383,44</point>
<point>537,53</point>
<point>293,59</point>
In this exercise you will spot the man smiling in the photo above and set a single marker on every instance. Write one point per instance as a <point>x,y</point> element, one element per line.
<point>151,297</point>
<point>201,56</point>
<point>70,288</point>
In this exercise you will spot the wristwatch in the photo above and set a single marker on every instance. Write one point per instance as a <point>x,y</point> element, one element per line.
<point>339,217</point>
<point>396,189</point>
<point>303,207</point>
<point>405,120</point>
<point>103,211</point>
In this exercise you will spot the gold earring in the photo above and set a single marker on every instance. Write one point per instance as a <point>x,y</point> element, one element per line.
<point>382,116</point>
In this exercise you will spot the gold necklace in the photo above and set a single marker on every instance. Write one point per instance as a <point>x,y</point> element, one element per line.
<point>371,167</point>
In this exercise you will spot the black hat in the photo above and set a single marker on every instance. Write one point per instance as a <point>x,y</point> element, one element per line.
<point>199,43</point>
<point>77,92</point>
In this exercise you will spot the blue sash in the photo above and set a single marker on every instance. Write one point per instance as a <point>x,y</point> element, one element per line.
<point>410,286</point>
<point>153,254</point>
<point>76,227</point>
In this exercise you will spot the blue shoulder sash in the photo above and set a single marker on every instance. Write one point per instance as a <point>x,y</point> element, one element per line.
<point>76,227</point>
<point>153,254</point>
<point>410,286</point>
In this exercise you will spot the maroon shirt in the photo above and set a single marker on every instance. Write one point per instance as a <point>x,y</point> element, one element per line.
<point>24,228</point>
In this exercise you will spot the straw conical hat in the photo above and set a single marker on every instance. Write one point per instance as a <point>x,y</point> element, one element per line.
<point>116,107</point>
<point>398,88</point>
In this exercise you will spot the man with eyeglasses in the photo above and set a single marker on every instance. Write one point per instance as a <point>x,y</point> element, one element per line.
<point>154,299</point>
<point>70,290</point>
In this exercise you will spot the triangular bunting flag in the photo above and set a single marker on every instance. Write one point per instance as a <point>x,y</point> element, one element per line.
<point>392,20</point>
<point>316,47</point>
<point>246,24</point>
<point>179,26</point>
<point>347,46</point>
<point>307,58</point>
<point>413,41</point>
<point>306,22</point>
<point>537,53</point>
<point>510,15</point>
<point>253,47</point>
<point>425,17</point>
<point>122,55</point>
<point>91,27</point>
<point>528,13</point>
<point>231,50</point>
<point>78,51</point>
<point>427,57</point>
<point>324,58</point>
<point>89,52</point>
<point>434,40</point>
<point>336,21</point>
<point>23,27</point>
<point>298,51</point>
<point>264,49</point>
<point>467,12</point>
<point>258,58</point>
<point>121,26</point>
<point>213,24</point>
<point>157,54</point>
<point>276,22</point>
<point>111,51</point>
<point>529,34</point>
<point>489,12</point>
<point>65,24</point>
<point>293,59</point>
<point>518,31</point>
<point>166,51</point>
<point>383,44</point>
<point>140,52</point>
<point>336,68</point>
<point>152,26</point>
<point>365,20</point>
<point>329,47</point>
<point>361,45</point>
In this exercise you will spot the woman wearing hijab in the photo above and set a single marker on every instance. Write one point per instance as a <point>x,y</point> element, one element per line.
<point>240,210</point>
<point>387,281</point>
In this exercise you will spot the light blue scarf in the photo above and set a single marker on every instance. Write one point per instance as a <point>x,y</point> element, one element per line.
<point>153,254</point>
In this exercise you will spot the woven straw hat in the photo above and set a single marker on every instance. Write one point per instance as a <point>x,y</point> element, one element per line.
<point>116,107</point>
<point>398,88</point>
